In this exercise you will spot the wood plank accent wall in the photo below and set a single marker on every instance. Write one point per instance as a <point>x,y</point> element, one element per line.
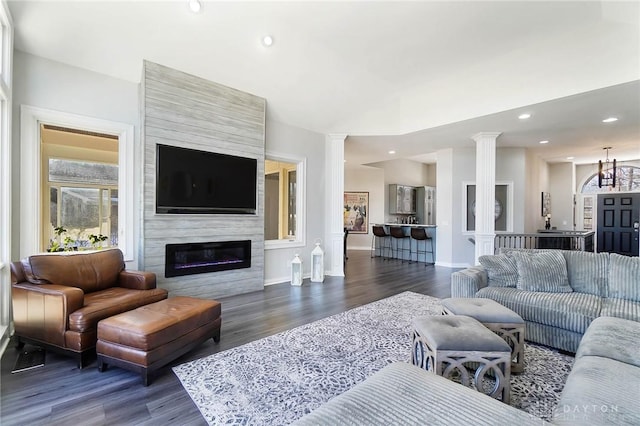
<point>187,111</point>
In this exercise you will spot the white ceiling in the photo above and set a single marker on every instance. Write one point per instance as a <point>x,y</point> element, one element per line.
<point>434,72</point>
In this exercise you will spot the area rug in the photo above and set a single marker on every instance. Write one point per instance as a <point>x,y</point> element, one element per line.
<point>280,378</point>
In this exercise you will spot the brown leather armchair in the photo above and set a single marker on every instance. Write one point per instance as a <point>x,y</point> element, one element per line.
<point>58,298</point>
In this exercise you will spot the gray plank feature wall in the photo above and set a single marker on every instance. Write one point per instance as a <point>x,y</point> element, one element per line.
<point>187,111</point>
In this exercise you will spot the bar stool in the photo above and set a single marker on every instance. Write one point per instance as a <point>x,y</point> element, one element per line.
<point>398,235</point>
<point>421,234</point>
<point>383,241</point>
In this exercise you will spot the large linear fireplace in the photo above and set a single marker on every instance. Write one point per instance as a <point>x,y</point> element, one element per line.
<point>198,258</point>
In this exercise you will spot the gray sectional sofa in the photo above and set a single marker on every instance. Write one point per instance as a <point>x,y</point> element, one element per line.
<point>602,389</point>
<point>558,293</point>
<point>580,302</point>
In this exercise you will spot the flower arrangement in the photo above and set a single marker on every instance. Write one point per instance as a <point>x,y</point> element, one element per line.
<point>96,240</point>
<point>62,242</point>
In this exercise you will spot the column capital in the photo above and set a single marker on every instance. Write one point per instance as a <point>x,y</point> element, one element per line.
<point>482,136</point>
<point>337,136</point>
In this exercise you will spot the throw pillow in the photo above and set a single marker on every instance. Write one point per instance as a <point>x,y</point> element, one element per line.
<point>501,270</point>
<point>624,277</point>
<point>542,271</point>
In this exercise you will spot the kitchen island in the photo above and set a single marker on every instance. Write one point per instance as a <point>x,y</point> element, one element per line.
<point>406,243</point>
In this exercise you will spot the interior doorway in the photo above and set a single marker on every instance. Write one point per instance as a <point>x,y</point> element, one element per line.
<point>618,222</point>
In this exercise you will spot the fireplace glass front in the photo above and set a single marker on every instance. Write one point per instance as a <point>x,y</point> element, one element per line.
<point>199,258</point>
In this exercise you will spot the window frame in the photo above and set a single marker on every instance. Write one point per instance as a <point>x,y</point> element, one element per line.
<point>31,119</point>
<point>300,236</point>
<point>6,67</point>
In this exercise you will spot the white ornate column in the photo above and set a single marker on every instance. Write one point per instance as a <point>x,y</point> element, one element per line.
<point>334,227</point>
<point>485,192</point>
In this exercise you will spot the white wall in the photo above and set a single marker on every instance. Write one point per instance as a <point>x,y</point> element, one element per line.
<point>511,166</point>
<point>562,195</point>
<point>55,86</point>
<point>463,170</point>
<point>432,177</point>
<point>536,181</point>
<point>289,140</point>
<point>371,180</point>
<point>445,208</point>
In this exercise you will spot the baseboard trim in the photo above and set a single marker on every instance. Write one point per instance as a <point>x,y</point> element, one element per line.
<point>453,265</point>
<point>363,248</point>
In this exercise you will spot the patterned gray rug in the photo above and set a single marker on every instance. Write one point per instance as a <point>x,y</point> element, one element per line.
<point>278,379</point>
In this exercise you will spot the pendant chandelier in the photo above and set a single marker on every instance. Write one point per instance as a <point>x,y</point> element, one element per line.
<point>607,172</point>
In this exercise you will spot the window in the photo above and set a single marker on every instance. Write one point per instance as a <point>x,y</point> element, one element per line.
<point>83,203</point>
<point>81,192</point>
<point>587,214</point>
<point>283,207</point>
<point>627,179</point>
<point>502,207</point>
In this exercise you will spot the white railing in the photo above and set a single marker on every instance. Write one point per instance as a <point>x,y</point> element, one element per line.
<point>565,240</point>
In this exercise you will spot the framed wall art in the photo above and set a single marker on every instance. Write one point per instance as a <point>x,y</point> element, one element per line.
<point>356,211</point>
<point>546,204</point>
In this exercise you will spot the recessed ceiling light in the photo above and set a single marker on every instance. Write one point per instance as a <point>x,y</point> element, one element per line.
<point>392,152</point>
<point>267,40</point>
<point>543,142</point>
<point>195,6</point>
<point>570,158</point>
<point>524,116</point>
<point>610,120</point>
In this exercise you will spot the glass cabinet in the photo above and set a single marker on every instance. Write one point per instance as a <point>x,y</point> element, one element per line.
<point>402,199</point>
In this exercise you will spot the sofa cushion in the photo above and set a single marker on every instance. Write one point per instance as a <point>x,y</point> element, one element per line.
<point>621,308</point>
<point>403,394</point>
<point>501,269</point>
<point>542,271</point>
<point>106,303</point>
<point>624,276</point>
<point>568,311</point>
<point>599,391</point>
<point>588,272</point>
<point>90,271</point>
<point>614,338</point>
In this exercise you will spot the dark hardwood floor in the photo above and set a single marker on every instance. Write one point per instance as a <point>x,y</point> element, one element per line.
<point>61,394</point>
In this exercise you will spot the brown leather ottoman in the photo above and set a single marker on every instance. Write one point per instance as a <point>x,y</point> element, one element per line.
<point>149,337</point>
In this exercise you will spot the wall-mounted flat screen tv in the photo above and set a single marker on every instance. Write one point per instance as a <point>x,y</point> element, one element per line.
<point>194,181</point>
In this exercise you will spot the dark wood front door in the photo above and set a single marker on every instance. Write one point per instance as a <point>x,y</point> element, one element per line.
<point>618,217</point>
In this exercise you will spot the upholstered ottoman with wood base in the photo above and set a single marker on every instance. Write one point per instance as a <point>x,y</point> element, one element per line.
<point>147,338</point>
<point>497,318</point>
<point>450,344</point>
